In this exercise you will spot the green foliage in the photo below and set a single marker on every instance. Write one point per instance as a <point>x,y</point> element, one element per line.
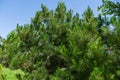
<point>110,7</point>
<point>96,75</point>
<point>58,45</point>
<point>7,74</point>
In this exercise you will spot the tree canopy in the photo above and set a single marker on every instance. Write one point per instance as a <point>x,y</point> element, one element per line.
<point>60,45</point>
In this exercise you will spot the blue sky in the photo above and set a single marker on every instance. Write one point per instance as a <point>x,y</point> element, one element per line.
<point>21,11</point>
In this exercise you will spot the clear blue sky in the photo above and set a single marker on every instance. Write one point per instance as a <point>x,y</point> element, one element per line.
<point>21,11</point>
